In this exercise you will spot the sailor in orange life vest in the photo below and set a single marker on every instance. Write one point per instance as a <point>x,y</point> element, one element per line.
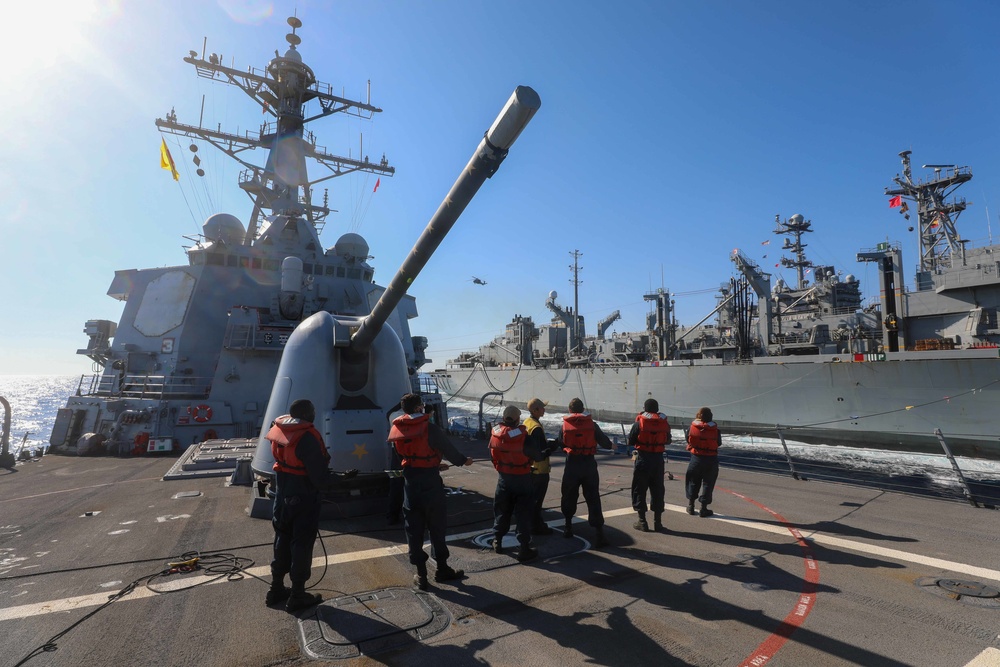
<point>301,474</point>
<point>649,435</point>
<point>421,446</point>
<point>512,454</point>
<point>580,437</point>
<point>703,441</point>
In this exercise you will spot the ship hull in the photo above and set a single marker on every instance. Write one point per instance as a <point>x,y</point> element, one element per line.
<point>896,403</point>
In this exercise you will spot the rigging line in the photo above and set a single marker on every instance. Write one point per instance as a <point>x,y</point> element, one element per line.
<point>187,174</point>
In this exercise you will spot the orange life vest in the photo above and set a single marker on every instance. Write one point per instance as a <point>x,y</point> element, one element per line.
<point>578,434</point>
<point>507,450</point>
<point>284,435</point>
<point>654,432</point>
<point>409,436</point>
<point>703,438</point>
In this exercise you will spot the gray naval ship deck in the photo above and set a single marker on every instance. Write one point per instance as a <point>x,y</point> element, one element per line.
<point>787,572</point>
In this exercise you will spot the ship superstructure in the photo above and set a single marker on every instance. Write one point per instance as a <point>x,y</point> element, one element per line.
<point>810,359</point>
<point>195,353</point>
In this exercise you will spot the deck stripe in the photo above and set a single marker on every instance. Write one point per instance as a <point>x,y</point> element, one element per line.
<point>807,599</point>
<point>97,599</point>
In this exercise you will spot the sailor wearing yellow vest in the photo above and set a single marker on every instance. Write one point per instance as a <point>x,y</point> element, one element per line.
<point>540,470</point>
<point>512,455</point>
<point>580,437</point>
<point>703,441</point>
<point>649,436</point>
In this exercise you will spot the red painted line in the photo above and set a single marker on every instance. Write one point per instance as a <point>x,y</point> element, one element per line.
<point>797,616</point>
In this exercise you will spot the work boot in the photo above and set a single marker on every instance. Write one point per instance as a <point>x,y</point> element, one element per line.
<point>497,544</point>
<point>543,529</point>
<point>301,599</point>
<point>599,539</point>
<point>277,593</point>
<point>658,521</point>
<point>691,507</point>
<point>526,553</point>
<point>641,524</point>
<point>568,528</point>
<point>446,573</point>
<point>704,511</point>
<point>420,578</point>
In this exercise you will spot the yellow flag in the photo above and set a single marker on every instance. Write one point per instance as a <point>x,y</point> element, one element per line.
<point>167,161</point>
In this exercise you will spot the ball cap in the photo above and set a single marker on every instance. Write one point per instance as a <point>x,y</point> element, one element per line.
<point>536,403</point>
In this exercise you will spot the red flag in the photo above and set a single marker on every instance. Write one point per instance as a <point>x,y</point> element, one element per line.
<point>767,242</point>
<point>378,182</point>
<point>896,201</point>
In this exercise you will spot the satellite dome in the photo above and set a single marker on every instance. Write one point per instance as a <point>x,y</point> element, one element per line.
<point>351,246</point>
<point>850,278</point>
<point>553,295</point>
<point>292,54</point>
<point>797,218</point>
<point>224,227</point>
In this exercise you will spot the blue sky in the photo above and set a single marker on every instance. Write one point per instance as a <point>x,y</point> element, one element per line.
<point>669,134</point>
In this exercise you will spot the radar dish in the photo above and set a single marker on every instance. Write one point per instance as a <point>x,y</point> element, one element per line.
<point>293,39</point>
<point>294,22</point>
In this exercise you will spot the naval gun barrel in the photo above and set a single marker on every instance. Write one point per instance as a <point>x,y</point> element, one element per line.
<point>520,108</point>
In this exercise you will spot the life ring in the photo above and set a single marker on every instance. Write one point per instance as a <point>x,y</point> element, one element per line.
<point>200,413</point>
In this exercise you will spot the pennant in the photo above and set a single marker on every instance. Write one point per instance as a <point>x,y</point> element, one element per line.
<point>167,161</point>
<point>767,242</point>
<point>896,201</point>
<point>378,182</point>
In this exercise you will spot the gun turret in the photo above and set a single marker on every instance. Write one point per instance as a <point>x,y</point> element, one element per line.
<point>354,369</point>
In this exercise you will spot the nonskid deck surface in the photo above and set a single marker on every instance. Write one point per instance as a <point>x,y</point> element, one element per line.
<point>787,572</point>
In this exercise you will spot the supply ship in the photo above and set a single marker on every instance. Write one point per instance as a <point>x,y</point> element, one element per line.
<point>918,368</point>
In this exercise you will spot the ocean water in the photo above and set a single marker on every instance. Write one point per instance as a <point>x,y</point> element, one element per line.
<point>34,400</point>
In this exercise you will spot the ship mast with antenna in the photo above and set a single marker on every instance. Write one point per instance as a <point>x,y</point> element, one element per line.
<point>282,185</point>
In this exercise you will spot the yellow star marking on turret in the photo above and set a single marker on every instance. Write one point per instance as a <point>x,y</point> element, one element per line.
<point>360,451</point>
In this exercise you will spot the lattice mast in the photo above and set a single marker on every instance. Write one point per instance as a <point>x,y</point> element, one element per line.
<point>940,243</point>
<point>282,90</point>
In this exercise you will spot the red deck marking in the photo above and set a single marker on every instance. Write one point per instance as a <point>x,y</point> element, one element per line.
<point>770,646</point>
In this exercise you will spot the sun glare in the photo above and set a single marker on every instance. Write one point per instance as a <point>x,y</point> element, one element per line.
<point>51,32</point>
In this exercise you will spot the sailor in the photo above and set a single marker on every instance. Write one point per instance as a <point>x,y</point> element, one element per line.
<point>580,437</point>
<point>512,454</point>
<point>540,470</point>
<point>649,436</point>
<point>421,445</point>
<point>301,474</point>
<point>703,441</point>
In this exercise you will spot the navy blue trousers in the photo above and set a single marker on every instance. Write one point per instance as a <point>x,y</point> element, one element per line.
<point>424,511</point>
<point>581,472</point>
<point>514,497</point>
<point>296,522</point>
<point>540,486</point>
<point>699,482</point>
<point>647,475</point>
